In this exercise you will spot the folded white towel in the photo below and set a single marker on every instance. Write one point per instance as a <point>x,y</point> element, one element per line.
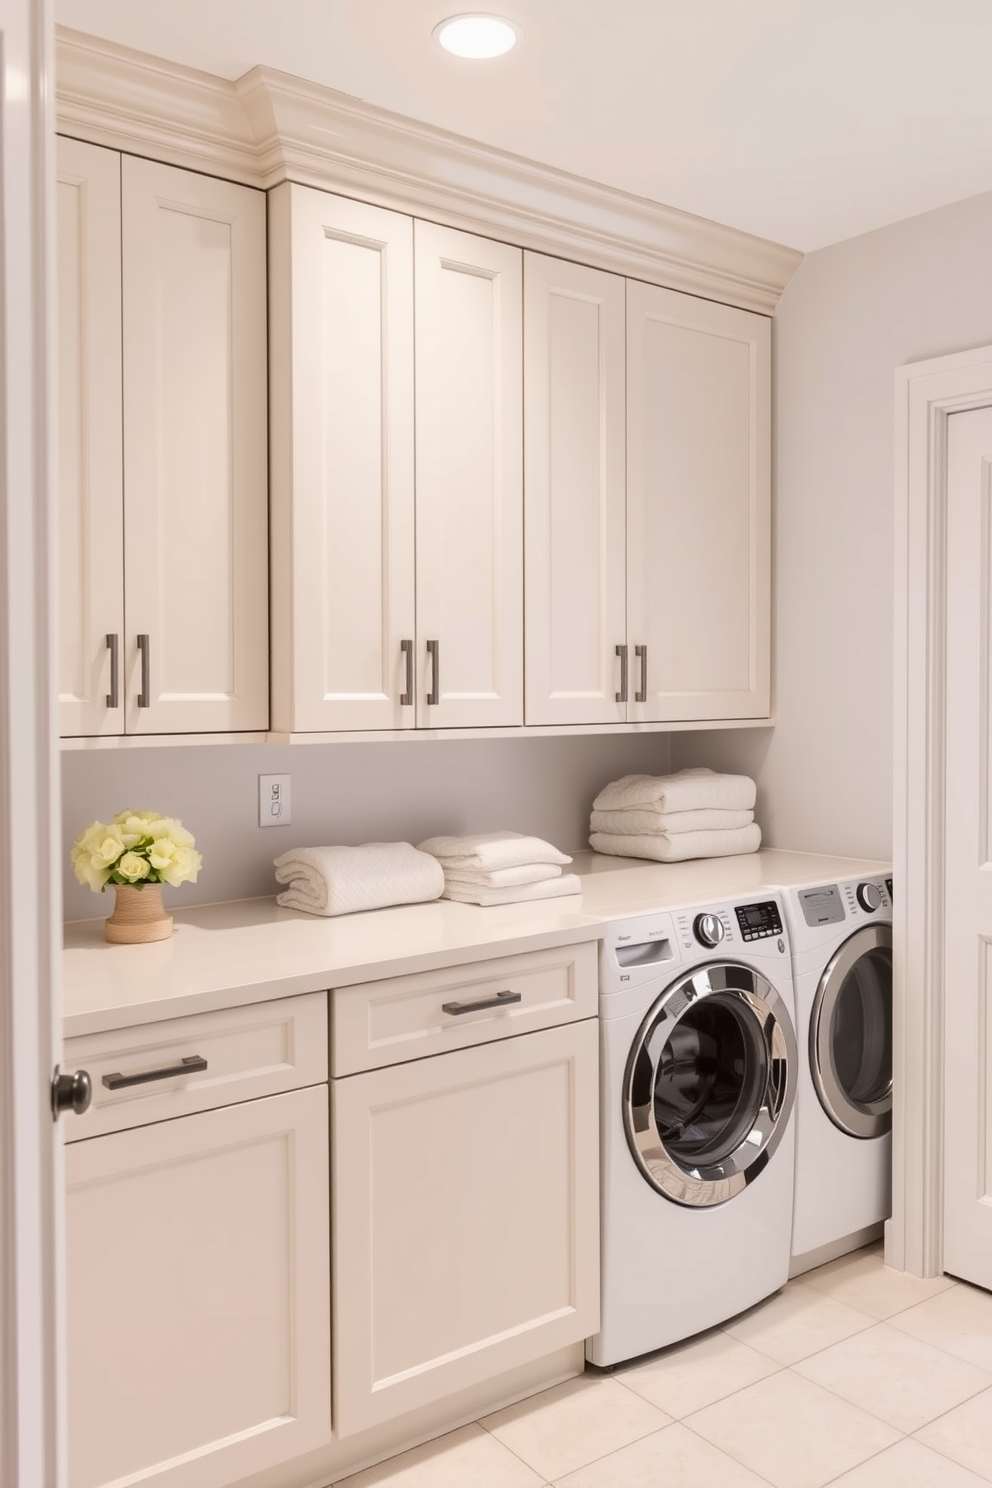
<point>553,888</point>
<point>492,850</point>
<point>681,846</point>
<point>649,823</point>
<point>689,790</point>
<point>500,878</point>
<point>341,880</point>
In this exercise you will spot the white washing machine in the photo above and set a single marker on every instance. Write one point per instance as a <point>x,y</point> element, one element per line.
<point>841,935</point>
<point>699,1072</point>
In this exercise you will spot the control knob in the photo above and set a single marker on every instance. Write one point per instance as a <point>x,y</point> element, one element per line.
<point>869,897</point>
<point>708,929</point>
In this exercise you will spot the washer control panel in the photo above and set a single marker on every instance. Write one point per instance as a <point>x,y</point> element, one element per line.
<point>759,921</point>
<point>708,929</point>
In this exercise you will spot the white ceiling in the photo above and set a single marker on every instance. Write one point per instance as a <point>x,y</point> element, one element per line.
<point>804,121</point>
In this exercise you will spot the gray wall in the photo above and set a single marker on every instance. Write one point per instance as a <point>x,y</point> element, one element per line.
<point>851,315</point>
<point>344,793</point>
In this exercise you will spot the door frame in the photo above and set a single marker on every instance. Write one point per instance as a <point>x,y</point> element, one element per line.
<point>31,1301</point>
<point>927,393</point>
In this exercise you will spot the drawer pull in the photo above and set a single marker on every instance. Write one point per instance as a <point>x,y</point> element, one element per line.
<point>191,1065</point>
<point>502,999</point>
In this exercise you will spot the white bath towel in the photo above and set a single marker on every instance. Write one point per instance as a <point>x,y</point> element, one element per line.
<point>490,850</point>
<point>552,888</point>
<point>689,790</point>
<point>680,847</point>
<point>341,880</point>
<point>501,878</point>
<point>645,822</point>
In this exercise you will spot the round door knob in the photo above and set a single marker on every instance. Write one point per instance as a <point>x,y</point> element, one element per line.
<point>71,1093</point>
<point>708,929</point>
<point>869,897</point>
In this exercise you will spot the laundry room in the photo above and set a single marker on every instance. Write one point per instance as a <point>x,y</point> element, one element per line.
<point>521,657</point>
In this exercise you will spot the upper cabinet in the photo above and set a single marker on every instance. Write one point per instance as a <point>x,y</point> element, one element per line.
<point>396,470</point>
<point>163,561</point>
<point>647,502</point>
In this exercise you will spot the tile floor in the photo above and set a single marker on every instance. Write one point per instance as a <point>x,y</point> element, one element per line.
<point>853,1375</point>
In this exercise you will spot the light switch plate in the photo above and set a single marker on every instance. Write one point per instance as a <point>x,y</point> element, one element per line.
<point>275,801</point>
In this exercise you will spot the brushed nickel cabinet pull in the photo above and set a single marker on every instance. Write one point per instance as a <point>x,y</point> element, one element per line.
<point>641,696</point>
<point>145,695</point>
<point>114,647</point>
<point>621,696</point>
<point>406,698</point>
<point>501,999</point>
<point>434,696</point>
<point>191,1064</point>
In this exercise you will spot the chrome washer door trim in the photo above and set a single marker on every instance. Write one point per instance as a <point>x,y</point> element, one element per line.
<point>863,1119</point>
<point>756,999</point>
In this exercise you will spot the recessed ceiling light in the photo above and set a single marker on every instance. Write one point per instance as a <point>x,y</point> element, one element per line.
<point>477,36</point>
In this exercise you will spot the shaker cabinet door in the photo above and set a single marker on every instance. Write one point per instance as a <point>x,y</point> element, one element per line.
<point>198,1309</point>
<point>90,584</point>
<point>575,496</point>
<point>698,507</point>
<point>195,461</point>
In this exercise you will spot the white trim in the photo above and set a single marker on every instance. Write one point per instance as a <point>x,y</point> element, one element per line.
<point>269,127</point>
<point>524,731</point>
<point>31,1358</point>
<point>926,394</point>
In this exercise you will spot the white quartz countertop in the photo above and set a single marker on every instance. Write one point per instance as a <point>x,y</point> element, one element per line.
<point>250,950</point>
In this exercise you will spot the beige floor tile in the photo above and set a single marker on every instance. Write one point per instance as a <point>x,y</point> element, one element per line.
<point>908,1464</point>
<point>469,1456</point>
<point>675,1457</point>
<point>697,1373</point>
<point>792,1432</point>
<point>958,1321</point>
<point>965,1435</point>
<point>894,1376</point>
<point>796,1323</point>
<point>573,1424</point>
<point>863,1280</point>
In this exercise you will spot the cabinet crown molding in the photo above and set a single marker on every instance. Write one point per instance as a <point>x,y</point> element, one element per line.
<point>268,127</point>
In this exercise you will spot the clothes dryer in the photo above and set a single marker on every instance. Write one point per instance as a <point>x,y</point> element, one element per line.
<point>699,1072</point>
<point>841,936</point>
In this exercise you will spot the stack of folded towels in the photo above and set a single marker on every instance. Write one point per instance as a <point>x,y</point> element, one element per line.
<point>500,868</point>
<point>341,880</point>
<point>694,814</point>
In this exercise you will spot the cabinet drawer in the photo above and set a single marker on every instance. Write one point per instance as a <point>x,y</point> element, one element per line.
<point>249,1051</point>
<point>409,1017</point>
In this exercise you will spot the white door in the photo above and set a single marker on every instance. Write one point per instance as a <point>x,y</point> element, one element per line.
<point>698,507</point>
<point>198,1295</point>
<point>466,1214</point>
<point>91,509</point>
<point>31,1379</point>
<point>574,492</point>
<point>968,852</point>
<point>195,475</point>
<point>469,480</point>
<point>341,308</point>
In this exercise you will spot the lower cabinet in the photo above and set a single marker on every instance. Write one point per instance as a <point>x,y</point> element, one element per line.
<point>465,1198</point>
<point>198,1295</point>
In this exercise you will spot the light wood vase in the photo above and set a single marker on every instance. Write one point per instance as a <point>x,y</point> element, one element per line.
<point>139,916</point>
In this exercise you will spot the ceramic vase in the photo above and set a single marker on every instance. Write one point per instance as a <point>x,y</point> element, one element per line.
<point>139,916</point>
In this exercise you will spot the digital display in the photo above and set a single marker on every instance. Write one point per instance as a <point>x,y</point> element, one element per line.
<point>757,921</point>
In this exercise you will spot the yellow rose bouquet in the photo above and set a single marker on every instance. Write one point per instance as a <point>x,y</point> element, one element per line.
<point>135,849</point>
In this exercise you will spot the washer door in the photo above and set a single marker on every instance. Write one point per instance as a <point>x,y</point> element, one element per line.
<point>850,1034</point>
<point>710,1084</point>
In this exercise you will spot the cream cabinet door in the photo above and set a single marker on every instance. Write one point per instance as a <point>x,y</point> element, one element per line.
<point>90,512</point>
<point>698,507</point>
<point>574,492</point>
<point>469,480</point>
<point>198,1298</point>
<point>195,476</point>
<point>466,1218</point>
<point>341,313</point>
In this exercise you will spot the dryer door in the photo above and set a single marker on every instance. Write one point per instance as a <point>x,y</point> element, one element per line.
<point>850,1034</point>
<point>710,1084</point>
